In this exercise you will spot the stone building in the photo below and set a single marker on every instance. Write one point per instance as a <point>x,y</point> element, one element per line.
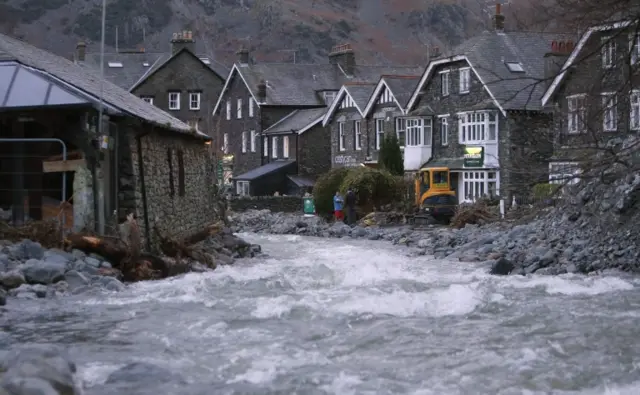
<point>478,112</point>
<point>592,93</point>
<point>142,161</point>
<point>181,81</point>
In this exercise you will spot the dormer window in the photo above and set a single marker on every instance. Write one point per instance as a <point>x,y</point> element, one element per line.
<point>515,67</point>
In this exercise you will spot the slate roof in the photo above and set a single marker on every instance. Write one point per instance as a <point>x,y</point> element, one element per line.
<point>402,86</point>
<point>489,52</point>
<point>264,170</point>
<point>297,120</point>
<point>298,84</point>
<point>88,81</point>
<point>360,93</point>
<point>138,65</point>
<point>302,181</point>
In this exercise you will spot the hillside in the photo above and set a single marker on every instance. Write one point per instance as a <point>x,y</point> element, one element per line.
<point>380,30</point>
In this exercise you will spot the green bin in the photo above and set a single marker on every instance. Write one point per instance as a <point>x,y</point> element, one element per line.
<point>309,206</point>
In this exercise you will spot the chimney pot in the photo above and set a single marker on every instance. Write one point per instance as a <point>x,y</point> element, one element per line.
<point>182,40</point>
<point>344,56</point>
<point>262,91</point>
<point>243,56</point>
<point>81,51</point>
<point>498,19</point>
<point>498,7</point>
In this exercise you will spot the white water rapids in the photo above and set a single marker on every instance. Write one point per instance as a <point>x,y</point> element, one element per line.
<point>327,316</point>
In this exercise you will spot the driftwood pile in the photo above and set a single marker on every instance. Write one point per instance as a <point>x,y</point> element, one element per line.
<point>473,214</point>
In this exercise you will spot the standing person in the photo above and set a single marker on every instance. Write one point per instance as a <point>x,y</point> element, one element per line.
<point>350,202</point>
<point>338,202</point>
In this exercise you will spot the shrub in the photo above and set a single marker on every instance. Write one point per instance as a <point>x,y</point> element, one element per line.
<point>373,187</point>
<point>326,187</point>
<point>391,156</point>
<point>544,191</point>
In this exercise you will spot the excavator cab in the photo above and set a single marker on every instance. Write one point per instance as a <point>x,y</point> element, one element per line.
<point>434,195</point>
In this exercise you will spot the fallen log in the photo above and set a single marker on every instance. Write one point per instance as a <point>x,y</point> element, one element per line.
<point>184,248</point>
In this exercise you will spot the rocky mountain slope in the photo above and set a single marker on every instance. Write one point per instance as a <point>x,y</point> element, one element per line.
<point>276,30</point>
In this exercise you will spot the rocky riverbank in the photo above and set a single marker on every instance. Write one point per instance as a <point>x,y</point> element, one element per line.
<point>29,271</point>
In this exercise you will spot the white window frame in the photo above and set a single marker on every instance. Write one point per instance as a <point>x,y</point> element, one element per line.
<point>419,132</point>
<point>634,47</point>
<point>444,129</point>
<point>576,113</point>
<point>174,101</point>
<point>265,146</point>
<point>251,103</point>
<point>274,147</point>
<point>225,143</point>
<point>478,127</point>
<point>239,109</point>
<point>609,111</point>
<point>445,82</point>
<point>242,188</point>
<point>228,110</point>
<point>561,173</point>
<point>608,51</point>
<point>244,142</point>
<point>253,141</point>
<point>341,137</point>
<point>148,99</point>
<point>357,135</point>
<point>634,110</point>
<point>465,79</point>
<point>379,132</point>
<point>194,101</point>
<point>479,183</point>
<point>401,128</point>
<point>285,147</point>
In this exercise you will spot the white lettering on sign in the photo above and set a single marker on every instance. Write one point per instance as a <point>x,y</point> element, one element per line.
<point>345,160</point>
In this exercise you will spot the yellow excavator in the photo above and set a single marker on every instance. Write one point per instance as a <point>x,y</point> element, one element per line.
<point>435,202</point>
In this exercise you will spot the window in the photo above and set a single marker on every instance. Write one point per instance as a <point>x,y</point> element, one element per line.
<point>225,143</point>
<point>239,109</point>
<point>357,135</point>
<point>478,184</point>
<point>250,108</point>
<point>379,132</point>
<point>148,99</point>
<point>444,130</point>
<point>401,130</point>
<point>478,127</point>
<point>194,101</point>
<point>172,187</point>
<point>444,82</point>
<point>285,147</point>
<point>265,146</point>
<point>634,48</point>
<point>465,80</point>
<point>341,138</point>
<point>564,173</point>
<point>608,51</point>
<point>242,188</point>
<point>634,104</point>
<point>174,100</point>
<point>576,114</point>
<point>419,132</point>
<point>328,97</point>
<point>181,182</point>
<point>244,142</point>
<point>274,147</point>
<point>515,67</point>
<point>228,110</point>
<point>253,141</point>
<point>609,112</point>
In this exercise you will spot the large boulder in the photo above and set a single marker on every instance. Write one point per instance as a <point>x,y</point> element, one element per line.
<point>43,272</point>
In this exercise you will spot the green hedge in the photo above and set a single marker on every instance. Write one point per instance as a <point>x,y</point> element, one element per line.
<point>326,187</point>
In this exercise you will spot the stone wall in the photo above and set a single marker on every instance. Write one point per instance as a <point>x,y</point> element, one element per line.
<point>179,198</point>
<point>314,152</point>
<point>281,204</point>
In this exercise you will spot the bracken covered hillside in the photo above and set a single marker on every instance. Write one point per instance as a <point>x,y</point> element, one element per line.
<point>380,30</point>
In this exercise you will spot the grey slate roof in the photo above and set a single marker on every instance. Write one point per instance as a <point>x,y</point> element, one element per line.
<point>302,181</point>
<point>297,120</point>
<point>360,93</point>
<point>402,86</point>
<point>489,52</point>
<point>138,65</point>
<point>88,81</point>
<point>264,170</point>
<point>298,84</point>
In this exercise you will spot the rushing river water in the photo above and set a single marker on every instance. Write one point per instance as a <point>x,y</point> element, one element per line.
<point>320,316</point>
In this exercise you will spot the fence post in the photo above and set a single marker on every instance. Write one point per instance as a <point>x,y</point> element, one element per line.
<point>502,210</point>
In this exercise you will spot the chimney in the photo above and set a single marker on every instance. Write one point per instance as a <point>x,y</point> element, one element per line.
<point>81,51</point>
<point>243,56</point>
<point>498,19</point>
<point>435,52</point>
<point>262,91</point>
<point>343,56</point>
<point>555,59</point>
<point>183,39</point>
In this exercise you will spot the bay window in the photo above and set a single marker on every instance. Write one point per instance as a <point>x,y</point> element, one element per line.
<point>419,131</point>
<point>478,184</point>
<point>478,127</point>
<point>401,130</point>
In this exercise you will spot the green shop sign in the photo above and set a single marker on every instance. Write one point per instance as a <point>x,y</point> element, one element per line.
<point>473,156</point>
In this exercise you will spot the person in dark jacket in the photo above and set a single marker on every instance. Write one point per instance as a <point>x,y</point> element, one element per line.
<point>350,204</point>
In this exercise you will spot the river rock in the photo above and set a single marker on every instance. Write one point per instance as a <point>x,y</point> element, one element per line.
<point>39,370</point>
<point>3,297</point>
<point>76,280</point>
<point>140,374</point>
<point>26,250</point>
<point>12,279</point>
<point>502,267</point>
<point>43,272</point>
